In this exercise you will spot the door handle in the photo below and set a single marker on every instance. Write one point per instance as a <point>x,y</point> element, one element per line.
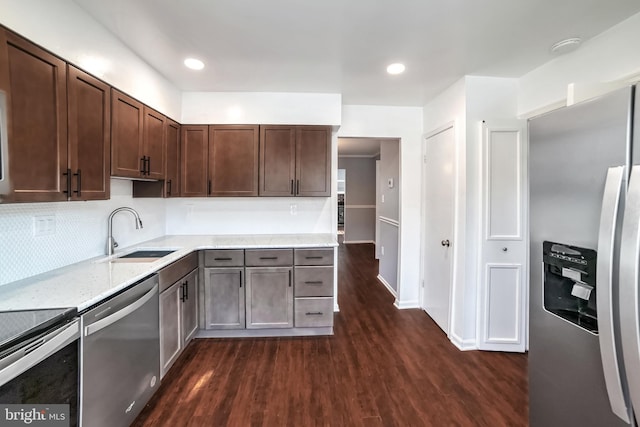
<point>604,291</point>
<point>445,243</point>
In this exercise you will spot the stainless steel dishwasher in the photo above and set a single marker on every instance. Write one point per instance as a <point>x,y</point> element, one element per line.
<point>120,356</point>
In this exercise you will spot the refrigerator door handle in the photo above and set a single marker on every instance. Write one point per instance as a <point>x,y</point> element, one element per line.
<point>604,292</point>
<point>629,303</point>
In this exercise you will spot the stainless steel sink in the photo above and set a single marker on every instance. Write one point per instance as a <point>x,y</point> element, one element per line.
<point>143,255</point>
<point>148,253</point>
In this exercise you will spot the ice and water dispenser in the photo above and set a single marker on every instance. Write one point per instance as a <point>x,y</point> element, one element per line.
<point>570,284</point>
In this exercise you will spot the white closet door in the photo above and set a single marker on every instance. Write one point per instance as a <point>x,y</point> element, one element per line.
<point>503,290</point>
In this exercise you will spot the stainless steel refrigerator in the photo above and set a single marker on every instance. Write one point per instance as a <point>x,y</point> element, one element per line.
<point>584,335</point>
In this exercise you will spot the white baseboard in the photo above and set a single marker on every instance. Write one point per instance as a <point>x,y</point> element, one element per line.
<point>348,242</point>
<point>387,285</point>
<point>403,305</point>
<point>464,345</point>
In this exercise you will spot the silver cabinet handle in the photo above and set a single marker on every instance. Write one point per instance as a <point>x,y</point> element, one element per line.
<point>628,287</point>
<point>113,318</point>
<point>604,301</point>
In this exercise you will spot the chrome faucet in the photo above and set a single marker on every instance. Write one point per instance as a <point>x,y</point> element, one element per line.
<point>111,242</point>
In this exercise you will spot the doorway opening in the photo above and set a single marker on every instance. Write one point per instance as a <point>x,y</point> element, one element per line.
<point>369,203</point>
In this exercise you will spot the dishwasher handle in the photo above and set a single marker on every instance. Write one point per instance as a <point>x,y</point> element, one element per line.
<point>113,318</point>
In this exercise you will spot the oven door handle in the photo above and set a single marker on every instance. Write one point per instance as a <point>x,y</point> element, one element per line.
<point>31,355</point>
<point>605,290</point>
<point>113,318</point>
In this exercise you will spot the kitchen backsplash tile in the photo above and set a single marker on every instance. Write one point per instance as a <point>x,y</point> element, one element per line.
<point>73,231</point>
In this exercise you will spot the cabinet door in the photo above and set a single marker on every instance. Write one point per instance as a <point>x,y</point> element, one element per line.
<point>189,306</point>
<point>172,156</point>
<point>233,160</point>
<point>313,161</point>
<point>224,298</point>
<point>277,160</point>
<point>269,297</point>
<point>153,146</point>
<point>193,158</point>
<point>89,136</point>
<point>126,136</point>
<point>35,83</point>
<point>170,327</point>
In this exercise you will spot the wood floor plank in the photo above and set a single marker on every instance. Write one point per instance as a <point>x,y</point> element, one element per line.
<point>383,367</point>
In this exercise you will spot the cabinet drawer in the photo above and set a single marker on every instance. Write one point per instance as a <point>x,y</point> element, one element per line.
<point>268,257</point>
<point>224,258</point>
<point>314,256</point>
<point>313,312</point>
<point>313,281</point>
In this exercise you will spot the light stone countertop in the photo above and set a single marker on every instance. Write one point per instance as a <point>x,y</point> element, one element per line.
<point>88,282</point>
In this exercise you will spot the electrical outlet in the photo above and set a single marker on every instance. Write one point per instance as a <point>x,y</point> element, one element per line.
<point>44,225</point>
<point>293,209</point>
<point>381,250</point>
<point>383,198</point>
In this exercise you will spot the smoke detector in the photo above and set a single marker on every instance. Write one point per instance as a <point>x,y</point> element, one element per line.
<point>566,45</point>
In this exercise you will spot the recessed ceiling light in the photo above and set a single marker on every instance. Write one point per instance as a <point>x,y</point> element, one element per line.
<point>566,45</point>
<point>395,68</point>
<point>194,64</point>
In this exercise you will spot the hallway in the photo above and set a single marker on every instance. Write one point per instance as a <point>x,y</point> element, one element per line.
<point>383,367</point>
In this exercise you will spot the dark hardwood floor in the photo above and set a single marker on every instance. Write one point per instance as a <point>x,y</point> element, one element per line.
<point>383,367</point>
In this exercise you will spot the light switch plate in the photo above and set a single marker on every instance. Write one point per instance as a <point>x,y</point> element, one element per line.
<point>44,225</point>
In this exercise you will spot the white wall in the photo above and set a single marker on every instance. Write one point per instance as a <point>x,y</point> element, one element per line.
<point>404,123</point>
<point>80,231</point>
<point>610,56</point>
<point>262,108</point>
<point>65,29</point>
<point>250,215</point>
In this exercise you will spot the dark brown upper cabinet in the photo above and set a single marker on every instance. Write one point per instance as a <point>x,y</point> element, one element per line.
<point>137,139</point>
<point>194,143</point>
<point>35,86</point>
<point>89,136</point>
<point>172,158</point>
<point>154,143</point>
<point>233,160</point>
<point>295,161</point>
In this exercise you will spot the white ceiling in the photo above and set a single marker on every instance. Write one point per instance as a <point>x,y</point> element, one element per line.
<point>344,46</point>
<point>360,147</point>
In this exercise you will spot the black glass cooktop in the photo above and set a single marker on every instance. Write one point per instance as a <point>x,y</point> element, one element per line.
<point>21,325</point>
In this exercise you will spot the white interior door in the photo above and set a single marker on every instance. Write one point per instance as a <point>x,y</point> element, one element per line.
<point>438,217</point>
<point>503,282</point>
